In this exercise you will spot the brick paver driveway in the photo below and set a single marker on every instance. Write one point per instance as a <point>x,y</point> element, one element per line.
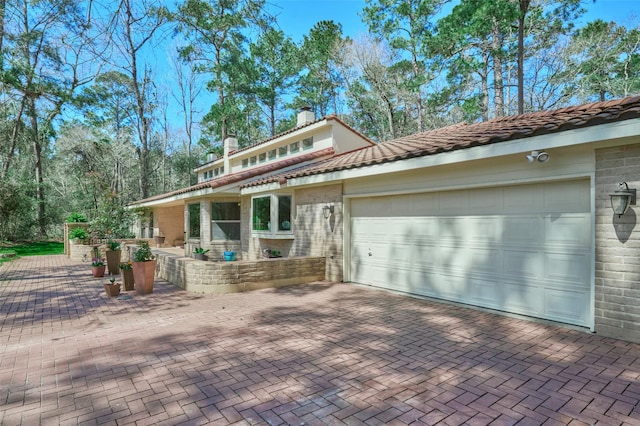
<point>314,354</point>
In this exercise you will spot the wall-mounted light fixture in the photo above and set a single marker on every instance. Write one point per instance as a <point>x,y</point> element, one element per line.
<point>541,156</point>
<point>622,199</point>
<point>327,211</point>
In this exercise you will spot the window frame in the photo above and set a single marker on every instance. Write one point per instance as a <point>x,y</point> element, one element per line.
<point>274,216</point>
<point>199,217</point>
<point>226,221</point>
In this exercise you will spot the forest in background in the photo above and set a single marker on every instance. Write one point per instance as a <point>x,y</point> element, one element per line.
<point>89,125</point>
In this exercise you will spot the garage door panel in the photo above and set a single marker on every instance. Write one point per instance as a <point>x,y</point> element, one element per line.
<point>566,306</point>
<point>523,265</point>
<point>523,299</point>
<point>523,230</point>
<point>566,269</point>
<point>567,229</point>
<point>526,255</point>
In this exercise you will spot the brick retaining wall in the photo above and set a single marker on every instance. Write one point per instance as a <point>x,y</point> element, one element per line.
<point>233,277</point>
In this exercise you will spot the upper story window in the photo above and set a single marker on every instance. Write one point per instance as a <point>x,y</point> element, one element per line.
<point>282,151</point>
<point>307,143</point>
<point>262,157</point>
<point>245,163</point>
<point>271,214</point>
<point>252,161</point>
<point>294,147</point>
<point>271,155</point>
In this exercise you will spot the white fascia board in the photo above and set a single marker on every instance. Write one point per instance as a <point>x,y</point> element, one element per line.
<point>188,195</point>
<point>268,187</point>
<point>601,133</point>
<point>293,135</point>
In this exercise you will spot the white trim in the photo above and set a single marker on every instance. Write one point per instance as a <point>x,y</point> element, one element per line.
<point>592,272</point>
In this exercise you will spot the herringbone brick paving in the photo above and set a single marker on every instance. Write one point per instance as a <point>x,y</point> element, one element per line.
<point>323,353</point>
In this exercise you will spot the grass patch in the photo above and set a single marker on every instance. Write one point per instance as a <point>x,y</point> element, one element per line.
<point>34,248</point>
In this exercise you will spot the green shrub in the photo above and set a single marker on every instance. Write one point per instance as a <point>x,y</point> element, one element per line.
<point>78,233</point>
<point>77,218</point>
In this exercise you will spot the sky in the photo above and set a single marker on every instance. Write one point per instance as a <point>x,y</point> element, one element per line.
<point>297,17</point>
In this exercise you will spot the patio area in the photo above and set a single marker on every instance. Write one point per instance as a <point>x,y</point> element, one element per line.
<point>320,353</point>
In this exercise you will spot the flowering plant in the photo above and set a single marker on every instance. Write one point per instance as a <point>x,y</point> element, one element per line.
<point>97,261</point>
<point>125,266</point>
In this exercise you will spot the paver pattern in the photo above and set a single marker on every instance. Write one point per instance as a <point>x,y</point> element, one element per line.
<point>322,353</point>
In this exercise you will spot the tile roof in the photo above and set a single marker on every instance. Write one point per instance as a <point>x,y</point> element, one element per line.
<point>245,174</point>
<point>464,135</point>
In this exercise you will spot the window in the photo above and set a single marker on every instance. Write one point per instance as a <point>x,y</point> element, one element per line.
<point>271,209</point>
<point>294,147</point>
<point>262,157</point>
<point>245,163</point>
<point>225,221</point>
<point>252,161</point>
<point>194,221</point>
<point>282,151</point>
<point>271,155</point>
<point>307,143</point>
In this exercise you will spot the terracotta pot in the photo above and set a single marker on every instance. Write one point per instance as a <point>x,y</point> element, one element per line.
<point>98,271</point>
<point>127,279</point>
<point>113,260</point>
<point>158,240</point>
<point>112,289</point>
<point>143,276</point>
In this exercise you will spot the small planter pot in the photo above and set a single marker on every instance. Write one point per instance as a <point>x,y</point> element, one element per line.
<point>112,290</point>
<point>229,256</point>
<point>127,279</point>
<point>200,256</point>
<point>98,271</point>
<point>113,260</point>
<point>143,276</point>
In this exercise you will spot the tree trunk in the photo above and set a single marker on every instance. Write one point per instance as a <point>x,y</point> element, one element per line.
<point>524,7</point>
<point>37,151</point>
<point>496,46</point>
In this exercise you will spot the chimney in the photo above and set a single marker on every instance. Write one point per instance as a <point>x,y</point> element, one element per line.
<point>230,146</point>
<point>305,116</point>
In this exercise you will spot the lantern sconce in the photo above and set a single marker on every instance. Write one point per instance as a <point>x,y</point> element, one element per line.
<point>327,211</point>
<point>622,199</point>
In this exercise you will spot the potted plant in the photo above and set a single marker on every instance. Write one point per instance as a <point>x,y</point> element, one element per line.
<point>112,289</point>
<point>200,253</point>
<point>229,255</point>
<point>159,239</point>
<point>126,269</point>
<point>113,254</point>
<point>77,218</point>
<point>97,266</point>
<point>78,235</point>
<point>144,268</point>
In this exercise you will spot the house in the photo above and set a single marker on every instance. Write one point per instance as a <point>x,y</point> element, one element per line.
<point>512,214</point>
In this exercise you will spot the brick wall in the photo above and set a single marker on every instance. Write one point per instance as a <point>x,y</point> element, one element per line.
<point>617,274</point>
<point>233,277</point>
<point>170,223</point>
<point>313,234</point>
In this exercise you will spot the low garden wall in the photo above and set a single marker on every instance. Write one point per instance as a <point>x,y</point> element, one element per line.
<point>221,277</point>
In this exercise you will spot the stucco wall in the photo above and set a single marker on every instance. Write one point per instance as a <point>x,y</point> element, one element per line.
<point>169,221</point>
<point>617,268</point>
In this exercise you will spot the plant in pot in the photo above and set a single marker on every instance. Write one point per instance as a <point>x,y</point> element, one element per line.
<point>112,289</point>
<point>113,254</point>
<point>97,265</point>
<point>144,268</point>
<point>200,253</point>
<point>78,235</point>
<point>126,270</point>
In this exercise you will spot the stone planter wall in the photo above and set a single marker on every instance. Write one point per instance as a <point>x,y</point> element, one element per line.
<point>239,276</point>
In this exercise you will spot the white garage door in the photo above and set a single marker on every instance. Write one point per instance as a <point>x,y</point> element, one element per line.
<point>524,249</point>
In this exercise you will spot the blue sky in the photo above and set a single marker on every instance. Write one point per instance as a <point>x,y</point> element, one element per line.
<point>297,17</point>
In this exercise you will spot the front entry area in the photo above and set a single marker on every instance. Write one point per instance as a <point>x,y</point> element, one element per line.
<point>523,249</point>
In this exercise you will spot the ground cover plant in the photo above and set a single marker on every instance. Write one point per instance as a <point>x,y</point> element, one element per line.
<point>31,248</point>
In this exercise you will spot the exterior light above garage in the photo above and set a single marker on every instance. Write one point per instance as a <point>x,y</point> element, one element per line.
<point>622,199</point>
<point>327,211</point>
